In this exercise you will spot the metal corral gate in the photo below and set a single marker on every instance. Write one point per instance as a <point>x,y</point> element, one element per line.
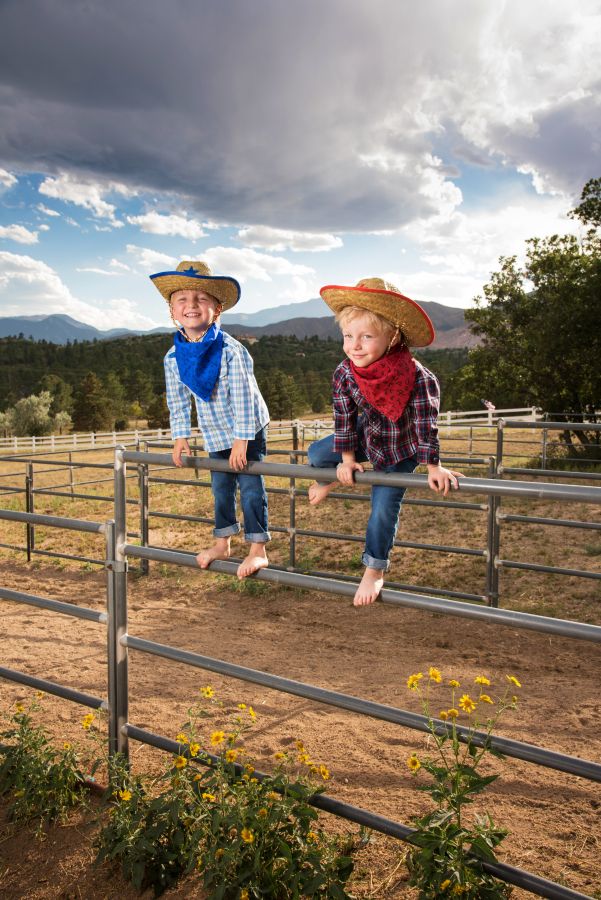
<point>120,642</point>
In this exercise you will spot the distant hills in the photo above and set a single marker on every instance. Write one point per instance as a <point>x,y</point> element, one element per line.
<point>305,319</point>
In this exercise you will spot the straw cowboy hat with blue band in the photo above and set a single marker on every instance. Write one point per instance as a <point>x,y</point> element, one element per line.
<point>382,297</point>
<point>193,275</point>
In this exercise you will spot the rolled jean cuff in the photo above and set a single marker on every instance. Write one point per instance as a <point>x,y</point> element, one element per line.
<point>228,531</point>
<point>261,538</point>
<point>373,563</point>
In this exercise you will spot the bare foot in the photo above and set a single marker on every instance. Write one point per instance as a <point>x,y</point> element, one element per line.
<point>219,550</point>
<point>318,492</point>
<point>369,588</point>
<point>256,559</point>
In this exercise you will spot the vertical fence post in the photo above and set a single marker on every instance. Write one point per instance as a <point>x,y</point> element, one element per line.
<point>292,530</point>
<point>143,495</point>
<point>29,507</point>
<point>543,453</point>
<point>117,614</point>
<point>492,544</point>
<point>71,481</point>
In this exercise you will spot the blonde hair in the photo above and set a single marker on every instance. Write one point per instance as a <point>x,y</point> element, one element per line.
<point>348,314</point>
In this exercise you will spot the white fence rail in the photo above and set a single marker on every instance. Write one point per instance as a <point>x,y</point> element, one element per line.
<point>278,428</point>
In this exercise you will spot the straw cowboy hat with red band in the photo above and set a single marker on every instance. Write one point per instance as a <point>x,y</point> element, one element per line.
<point>382,297</point>
<point>193,275</point>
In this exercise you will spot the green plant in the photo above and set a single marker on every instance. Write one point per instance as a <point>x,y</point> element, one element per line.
<point>249,837</point>
<point>448,846</point>
<point>41,782</point>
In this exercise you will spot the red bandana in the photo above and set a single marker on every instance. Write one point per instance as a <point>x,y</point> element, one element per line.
<point>388,382</point>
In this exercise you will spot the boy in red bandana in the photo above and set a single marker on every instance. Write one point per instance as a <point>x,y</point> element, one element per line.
<point>386,407</point>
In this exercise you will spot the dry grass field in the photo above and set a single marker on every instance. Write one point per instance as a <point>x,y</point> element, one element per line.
<point>553,818</point>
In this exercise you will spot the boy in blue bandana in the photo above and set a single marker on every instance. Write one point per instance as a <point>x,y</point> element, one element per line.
<point>214,369</point>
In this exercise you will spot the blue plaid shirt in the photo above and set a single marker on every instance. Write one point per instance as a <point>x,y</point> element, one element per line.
<point>236,409</point>
<point>386,442</point>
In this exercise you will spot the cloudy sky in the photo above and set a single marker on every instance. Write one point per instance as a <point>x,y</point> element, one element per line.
<point>290,143</point>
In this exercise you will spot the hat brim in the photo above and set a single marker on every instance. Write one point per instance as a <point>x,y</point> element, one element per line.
<point>224,288</point>
<point>403,312</point>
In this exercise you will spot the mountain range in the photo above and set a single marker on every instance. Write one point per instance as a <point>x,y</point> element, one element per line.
<point>305,319</point>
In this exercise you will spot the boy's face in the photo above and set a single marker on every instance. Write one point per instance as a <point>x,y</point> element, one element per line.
<point>362,343</point>
<point>196,311</point>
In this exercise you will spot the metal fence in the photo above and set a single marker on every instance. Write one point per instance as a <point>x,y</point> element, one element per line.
<point>120,642</point>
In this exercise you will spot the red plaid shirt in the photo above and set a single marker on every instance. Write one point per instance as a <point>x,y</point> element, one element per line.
<point>357,423</point>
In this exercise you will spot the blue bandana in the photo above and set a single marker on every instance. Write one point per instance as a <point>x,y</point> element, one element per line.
<point>199,362</point>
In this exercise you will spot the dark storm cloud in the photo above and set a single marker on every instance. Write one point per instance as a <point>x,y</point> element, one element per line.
<point>316,115</point>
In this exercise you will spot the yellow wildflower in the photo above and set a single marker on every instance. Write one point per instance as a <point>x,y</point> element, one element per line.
<point>247,835</point>
<point>484,698</point>
<point>481,679</point>
<point>217,737</point>
<point>299,746</point>
<point>39,694</point>
<point>254,780</point>
<point>279,755</point>
<point>242,706</point>
<point>452,713</point>
<point>252,713</point>
<point>125,795</point>
<point>444,885</point>
<point>312,837</point>
<point>194,749</point>
<point>443,714</point>
<point>207,692</point>
<point>273,795</point>
<point>209,797</point>
<point>244,895</point>
<point>20,793</point>
<point>324,772</point>
<point>198,777</point>
<point>66,745</point>
<point>219,853</point>
<point>231,756</point>
<point>249,769</point>
<point>304,758</point>
<point>414,763</point>
<point>513,680</point>
<point>180,762</point>
<point>414,680</point>
<point>466,703</point>
<point>262,813</point>
<point>86,722</point>
<point>434,675</point>
<point>181,738</point>
<point>454,683</point>
<point>19,707</point>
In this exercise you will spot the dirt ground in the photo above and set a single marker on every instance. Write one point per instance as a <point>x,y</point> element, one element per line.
<point>554,819</point>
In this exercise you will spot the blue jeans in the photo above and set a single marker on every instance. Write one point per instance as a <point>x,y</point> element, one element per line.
<point>252,496</point>
<point>385,502</point>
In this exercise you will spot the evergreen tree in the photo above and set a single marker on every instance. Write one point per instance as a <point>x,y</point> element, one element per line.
<point>92,409</point>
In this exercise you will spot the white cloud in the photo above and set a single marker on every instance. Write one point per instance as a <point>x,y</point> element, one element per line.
<point>245,264</point>
<point>95,271</point>
<point>155,223</point>
<point>30,287</point>
<point>46,210</point>
<point>279,239</point>
<point>87,194</point>
<point>19,234</point>
<point>463,250</point>
<point>44,227</point>
<point>7,180</point>
<point>151,261</point>
<point>116,264</point>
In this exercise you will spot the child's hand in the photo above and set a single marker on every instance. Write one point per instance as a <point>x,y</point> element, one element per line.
<point>180,446</point>
<point>238,455</point>
<point>344,471</point>
<point>441,479</point>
